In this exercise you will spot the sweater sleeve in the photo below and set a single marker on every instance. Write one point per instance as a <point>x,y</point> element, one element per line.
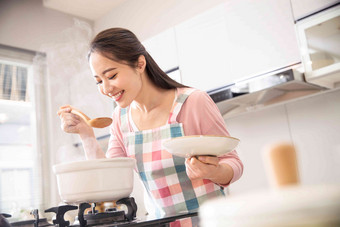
<point>116,146</point>
<point>200,116</point>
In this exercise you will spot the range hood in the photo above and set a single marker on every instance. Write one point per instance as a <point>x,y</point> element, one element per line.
<point>263,90</point>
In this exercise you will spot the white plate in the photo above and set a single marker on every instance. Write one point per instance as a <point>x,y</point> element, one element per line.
<point>188,146</point>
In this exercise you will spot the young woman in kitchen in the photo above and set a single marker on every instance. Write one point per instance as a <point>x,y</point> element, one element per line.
<point>153,108</point>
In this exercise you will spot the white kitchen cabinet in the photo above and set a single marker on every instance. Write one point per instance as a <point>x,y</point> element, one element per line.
<point>163,49</point>
<point>319,37</point>
<point>303,8</point>
<point>261,36</point>
<point>202,50</point>
<point>236,40</point>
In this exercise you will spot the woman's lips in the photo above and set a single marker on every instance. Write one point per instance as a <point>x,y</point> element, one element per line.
<point>118,96</point>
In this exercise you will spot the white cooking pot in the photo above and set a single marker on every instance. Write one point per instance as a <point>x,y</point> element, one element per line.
<point>96,180</point>
<point>293,206</point>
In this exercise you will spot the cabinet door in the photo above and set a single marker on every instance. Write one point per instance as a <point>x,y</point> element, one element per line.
<point>202,48</point>
<point>303,8</point>
<point>236,40</point>
<point>319,37</point>
<point>261,36</point>
<point>163,49</point>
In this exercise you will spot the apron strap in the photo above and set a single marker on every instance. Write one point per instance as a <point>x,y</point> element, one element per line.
<point>124,120</point>
<point>181,98</point>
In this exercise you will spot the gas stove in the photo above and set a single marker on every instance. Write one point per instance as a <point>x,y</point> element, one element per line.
<point>91,218</point>
<point>109,218</point>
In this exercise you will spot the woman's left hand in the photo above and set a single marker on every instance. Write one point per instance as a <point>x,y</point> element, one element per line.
<point>202,167</point>
<point>209,167</point>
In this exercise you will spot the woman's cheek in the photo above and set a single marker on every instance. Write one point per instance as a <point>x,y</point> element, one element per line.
<point>100,89</point>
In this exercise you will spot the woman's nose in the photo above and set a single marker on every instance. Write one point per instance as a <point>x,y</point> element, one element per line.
<point>107,88</point>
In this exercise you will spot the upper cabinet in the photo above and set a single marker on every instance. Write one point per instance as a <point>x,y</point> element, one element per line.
<point>236,40</point>
<point>163,49</point>
<point>261,36</point>
<point>202,48</point>
<point>319,37</point>
<point>303,8</point>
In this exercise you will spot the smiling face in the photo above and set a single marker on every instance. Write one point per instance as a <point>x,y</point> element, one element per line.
<point>117,80</point>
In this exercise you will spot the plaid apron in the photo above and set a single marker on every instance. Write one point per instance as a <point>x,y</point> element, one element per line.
<point>164,175</point>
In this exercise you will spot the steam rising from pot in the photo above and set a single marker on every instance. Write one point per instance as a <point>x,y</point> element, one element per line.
<point>66,77</point>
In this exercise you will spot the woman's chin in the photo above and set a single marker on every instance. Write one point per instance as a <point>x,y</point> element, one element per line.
<point>122,104</point>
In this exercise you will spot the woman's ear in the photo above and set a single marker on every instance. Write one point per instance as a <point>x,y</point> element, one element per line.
<point>141,63</point>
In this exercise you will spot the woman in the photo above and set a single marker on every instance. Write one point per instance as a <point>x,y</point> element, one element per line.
<point>153,108</point>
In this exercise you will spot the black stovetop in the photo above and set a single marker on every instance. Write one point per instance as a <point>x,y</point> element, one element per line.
<point>152,221</point>
<point>109,218</point>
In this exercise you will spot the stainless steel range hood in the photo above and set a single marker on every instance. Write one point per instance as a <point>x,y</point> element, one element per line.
<point>263,90</point>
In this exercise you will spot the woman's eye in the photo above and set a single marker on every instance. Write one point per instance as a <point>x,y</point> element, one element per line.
<point>110,78</point>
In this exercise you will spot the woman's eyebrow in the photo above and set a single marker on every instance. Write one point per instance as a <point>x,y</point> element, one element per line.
<point>105,71</point>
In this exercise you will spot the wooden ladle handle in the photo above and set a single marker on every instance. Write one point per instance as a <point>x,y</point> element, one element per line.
<point>80,114</point>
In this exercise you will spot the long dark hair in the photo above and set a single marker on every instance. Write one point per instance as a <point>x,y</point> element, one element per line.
<point>121,45</point>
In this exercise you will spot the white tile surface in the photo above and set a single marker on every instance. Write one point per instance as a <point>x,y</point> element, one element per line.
<point>312,124</point>
<point>256,130</point>
<point>315,126</point>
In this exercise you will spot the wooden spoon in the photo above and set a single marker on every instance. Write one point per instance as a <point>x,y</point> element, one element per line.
<point>100,122</point>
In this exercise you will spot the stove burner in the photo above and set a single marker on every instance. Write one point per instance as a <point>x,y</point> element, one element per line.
<point>105,217</point>
<point>111,215</point>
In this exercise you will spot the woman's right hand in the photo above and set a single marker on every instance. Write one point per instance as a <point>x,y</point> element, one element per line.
<point>72,123</point>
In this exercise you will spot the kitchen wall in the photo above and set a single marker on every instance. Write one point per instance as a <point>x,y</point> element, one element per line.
<point>312,124</point>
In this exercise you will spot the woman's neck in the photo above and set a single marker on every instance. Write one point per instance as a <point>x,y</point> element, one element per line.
<point>151,96</point>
